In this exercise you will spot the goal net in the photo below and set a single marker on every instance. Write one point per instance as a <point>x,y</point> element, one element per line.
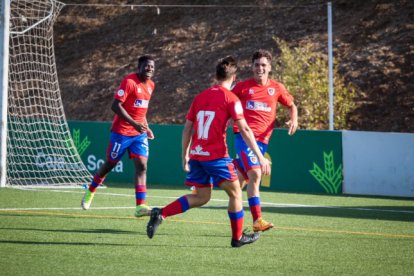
<point>40,149</point>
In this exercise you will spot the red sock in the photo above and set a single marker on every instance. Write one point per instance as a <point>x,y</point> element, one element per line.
<point>95,183</point>
<point>140,194</point>
<point>255,207</point>
<point>176,207</point>
<point>236,222</point>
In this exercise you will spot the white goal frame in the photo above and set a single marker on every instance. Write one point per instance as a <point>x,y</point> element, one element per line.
<point>37,149</point>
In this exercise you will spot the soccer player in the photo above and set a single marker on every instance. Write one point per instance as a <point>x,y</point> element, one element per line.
<point>130,132</point>
<point>259,97</point>
<point>205,154</point>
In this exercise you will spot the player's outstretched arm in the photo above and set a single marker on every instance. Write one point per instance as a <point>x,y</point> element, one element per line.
<point>293,122</point>
<point>185,144</point>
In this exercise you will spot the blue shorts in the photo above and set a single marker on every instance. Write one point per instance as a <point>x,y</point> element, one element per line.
<point>137,146</point>
<point>208,173</point>
<point>245,158</point>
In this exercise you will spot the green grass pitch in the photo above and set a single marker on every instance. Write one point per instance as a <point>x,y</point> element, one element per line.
<point>45,232</point>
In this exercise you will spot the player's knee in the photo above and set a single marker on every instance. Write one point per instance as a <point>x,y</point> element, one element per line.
<point>204,199</point>
<point>200,199</point>
<point>235,191</point>
<point>254,176</point>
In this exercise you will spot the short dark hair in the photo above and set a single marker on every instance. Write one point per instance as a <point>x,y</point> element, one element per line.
<point>226,68</point>
<point>143,59</point>
<point>262,53</point>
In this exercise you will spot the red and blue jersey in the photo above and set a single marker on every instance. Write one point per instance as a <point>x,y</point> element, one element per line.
<point>135,96</point>
<point>259,104</point>
<point>210,112</point>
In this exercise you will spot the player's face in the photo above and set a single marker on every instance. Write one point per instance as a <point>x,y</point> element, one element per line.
<point>146,69</point>
<point>261,69</point>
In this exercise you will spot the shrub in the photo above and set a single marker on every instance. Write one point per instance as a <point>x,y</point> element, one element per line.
<point>305,75</point>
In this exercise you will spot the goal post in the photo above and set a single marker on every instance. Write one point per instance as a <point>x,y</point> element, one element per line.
<point>4,49</point>
<point>39,145</point>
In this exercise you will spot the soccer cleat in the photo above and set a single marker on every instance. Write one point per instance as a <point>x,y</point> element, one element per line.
<point>142,210</point>
<point>261,225</point>
<point>87,200</point>
<point>155,220</point>
<point>245,239</point>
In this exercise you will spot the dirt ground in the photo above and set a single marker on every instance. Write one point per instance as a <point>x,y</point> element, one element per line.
<point>96,46</point>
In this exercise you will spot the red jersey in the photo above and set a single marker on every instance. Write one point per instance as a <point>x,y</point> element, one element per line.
<point>135,97</point>
<point>259,104</point>
<point>210,112</point>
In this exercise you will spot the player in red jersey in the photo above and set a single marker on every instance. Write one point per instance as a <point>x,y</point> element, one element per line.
<point>205,155</point>
<point>130,132</point>
<point>259,97</point>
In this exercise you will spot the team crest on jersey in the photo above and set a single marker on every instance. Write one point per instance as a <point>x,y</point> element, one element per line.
<point>253,159</point>
<point>114,154</point>
<point>149,89</point>
<point>120,92</point>
<point>271,91</point>
<point>251,91</point>
<point>139,90</point>
<point>141,103</point>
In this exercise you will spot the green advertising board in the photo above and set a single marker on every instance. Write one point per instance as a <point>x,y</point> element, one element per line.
<point>307,162</point>
<point>164,163</point>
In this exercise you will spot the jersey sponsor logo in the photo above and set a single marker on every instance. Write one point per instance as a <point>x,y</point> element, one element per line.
<point>251,91</point>
<point>141,103</point>
<point>259,106</point>
<point>271,91</point>
<point>199,151</point>
<point>121,92</point>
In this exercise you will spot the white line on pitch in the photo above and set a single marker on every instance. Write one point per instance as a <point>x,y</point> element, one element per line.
<point>226,200</point>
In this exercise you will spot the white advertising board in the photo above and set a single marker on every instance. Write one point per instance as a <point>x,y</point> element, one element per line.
<point>377,163</point>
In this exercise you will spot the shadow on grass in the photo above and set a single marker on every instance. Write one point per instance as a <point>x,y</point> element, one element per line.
<point>66,243</point>
<point>85,231</point>
<point>392,213</point>
<point>112,244</point>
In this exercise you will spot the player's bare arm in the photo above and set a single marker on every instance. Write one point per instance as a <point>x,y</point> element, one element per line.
<point>185,144</point>
<point>250,140</point>
<point>122,113</point>
<point>293,122</point>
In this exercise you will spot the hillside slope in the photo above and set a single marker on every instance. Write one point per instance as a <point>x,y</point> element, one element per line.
<point>97,45</point>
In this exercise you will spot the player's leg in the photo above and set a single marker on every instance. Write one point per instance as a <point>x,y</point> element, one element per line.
<point>138,152</point>
<point>235,207</point>
<point>239,146</point>
<point>253,195</point>
<point>236,214</point>
<point>176,207</point>
<point>241,174</point>
<point>196,177</point>
<point>141,208</point>
<point>224,175</point>
<point>187,202</point>
<point>250,163</point>
<point>253,192</point>
<point>115,151</point>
